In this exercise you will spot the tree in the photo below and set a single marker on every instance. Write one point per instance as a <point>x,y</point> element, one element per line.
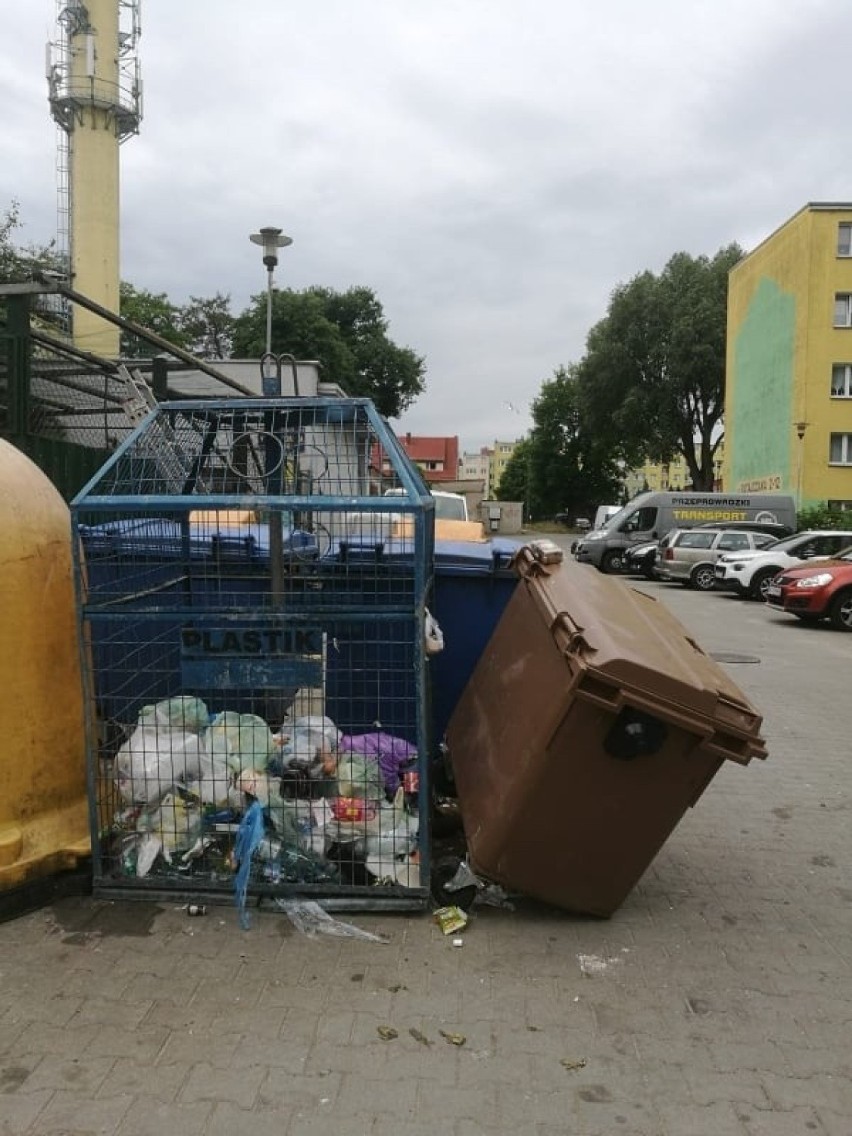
<point>347,333</point>
<point>514,481</point>
<point>568,469</point>
<point>20,262</point>
<point>652,381</point>
<point>208,326</point>
<point>153,310</point>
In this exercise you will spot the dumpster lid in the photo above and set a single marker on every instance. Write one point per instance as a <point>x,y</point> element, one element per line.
<point>453,557</point>
<point>624,639</point>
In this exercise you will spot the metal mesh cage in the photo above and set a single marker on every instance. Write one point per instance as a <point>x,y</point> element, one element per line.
<point>252,578</point>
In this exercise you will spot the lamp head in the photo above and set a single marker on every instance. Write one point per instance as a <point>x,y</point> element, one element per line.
<point>271,240</point>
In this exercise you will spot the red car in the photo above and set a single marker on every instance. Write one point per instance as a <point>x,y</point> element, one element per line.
<point>821,589</point>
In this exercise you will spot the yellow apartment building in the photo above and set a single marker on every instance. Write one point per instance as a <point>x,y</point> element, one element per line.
<point>788,401</point>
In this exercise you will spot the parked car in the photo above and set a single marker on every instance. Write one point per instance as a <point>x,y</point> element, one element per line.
<point>774,528</point>
<point>641,559</point>
<point>749,573</point>
<point>691,554</point>
<point>581,523</point>
<point>644,559</point>
<point>821,590</point>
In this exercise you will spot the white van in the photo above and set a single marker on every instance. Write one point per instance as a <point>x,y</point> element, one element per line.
<point>649,516</point>
<point>448,506</point>
<point>603,514</point>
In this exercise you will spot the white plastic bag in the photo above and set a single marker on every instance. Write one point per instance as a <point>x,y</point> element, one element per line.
<point>304,744</point>
<point>308,917</point>
<point>153,760</point>
<point>433,637</point>
<point>215,783</point>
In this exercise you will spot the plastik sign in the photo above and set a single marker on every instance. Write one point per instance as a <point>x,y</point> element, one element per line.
<point>249,641</point>
<point>253,657</point>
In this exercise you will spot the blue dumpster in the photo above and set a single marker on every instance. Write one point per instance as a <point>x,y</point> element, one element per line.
<point>473,583</point>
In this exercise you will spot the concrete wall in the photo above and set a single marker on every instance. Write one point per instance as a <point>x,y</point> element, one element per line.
<point>507,516</point>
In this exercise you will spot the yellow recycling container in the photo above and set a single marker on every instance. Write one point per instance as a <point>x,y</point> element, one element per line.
<point>44,825</point>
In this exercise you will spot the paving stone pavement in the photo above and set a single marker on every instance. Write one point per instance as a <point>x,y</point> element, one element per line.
<point>716,1002</point>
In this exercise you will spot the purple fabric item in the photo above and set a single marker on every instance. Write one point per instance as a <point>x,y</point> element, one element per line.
<point>390,752</point>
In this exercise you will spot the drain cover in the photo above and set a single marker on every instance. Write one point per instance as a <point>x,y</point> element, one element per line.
<point>730,657</point>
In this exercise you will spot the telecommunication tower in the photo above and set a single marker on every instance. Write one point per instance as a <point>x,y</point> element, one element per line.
<point>95,94</point>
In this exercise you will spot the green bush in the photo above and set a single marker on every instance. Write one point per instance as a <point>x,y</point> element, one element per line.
<point>821,517</point>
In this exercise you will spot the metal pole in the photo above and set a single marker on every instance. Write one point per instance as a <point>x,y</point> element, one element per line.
<point>276,529</point>
<point>269,310</point>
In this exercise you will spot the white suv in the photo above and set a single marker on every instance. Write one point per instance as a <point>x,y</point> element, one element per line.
<point>749,573</point>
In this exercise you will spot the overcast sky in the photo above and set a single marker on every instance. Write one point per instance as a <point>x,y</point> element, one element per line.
<point>492,169</point>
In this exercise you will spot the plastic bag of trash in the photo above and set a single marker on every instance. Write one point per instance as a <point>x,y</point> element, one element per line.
<point>215,786</point>
<point>321,726</point>
<point>153,760</point>
<point>358,776</point>
<point>433,636</point>
<point>308,917</point>
<point>394,832</point>
<point>175,826</point>
<point>302,748</point>
<point>182,713</point>
<point>249,837</point>
<point>244,741</point>
<point>290,818</point>
<point>393,754</point>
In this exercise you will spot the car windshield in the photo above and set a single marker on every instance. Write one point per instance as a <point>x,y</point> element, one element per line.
<point>784,544</point>
<point>845,553</point>
<point>449,508</point>
<point>612,522</point>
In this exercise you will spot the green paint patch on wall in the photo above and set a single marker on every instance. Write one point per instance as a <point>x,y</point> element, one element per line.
<point>761,399</point>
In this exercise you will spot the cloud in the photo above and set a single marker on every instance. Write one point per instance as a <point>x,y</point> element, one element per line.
<point>491,170</point>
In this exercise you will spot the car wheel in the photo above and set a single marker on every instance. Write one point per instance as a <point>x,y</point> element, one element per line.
<point>704,577</point>
<point>841,611</point>
<point>760,583</point>
<point>613,561</point>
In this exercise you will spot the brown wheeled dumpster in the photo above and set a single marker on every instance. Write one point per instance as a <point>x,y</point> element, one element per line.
<point>591,722</point>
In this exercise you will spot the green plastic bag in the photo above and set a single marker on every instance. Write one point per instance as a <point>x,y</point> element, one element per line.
<point>245,740</point>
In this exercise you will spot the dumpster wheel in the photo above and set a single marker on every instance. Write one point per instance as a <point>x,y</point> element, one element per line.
<point>443,871</point>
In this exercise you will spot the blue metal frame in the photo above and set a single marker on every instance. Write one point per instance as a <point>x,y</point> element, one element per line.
<point>92,503</point>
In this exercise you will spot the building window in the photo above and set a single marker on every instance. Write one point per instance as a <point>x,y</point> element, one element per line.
<point>841,380</point>
<point>840,506</point>
<point>844,238</point>
<point>843,309</point>
<point>840,449</point>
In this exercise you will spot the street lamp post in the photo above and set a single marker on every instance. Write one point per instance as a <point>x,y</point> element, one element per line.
<point>801,427</point>
<point>271,239</point>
